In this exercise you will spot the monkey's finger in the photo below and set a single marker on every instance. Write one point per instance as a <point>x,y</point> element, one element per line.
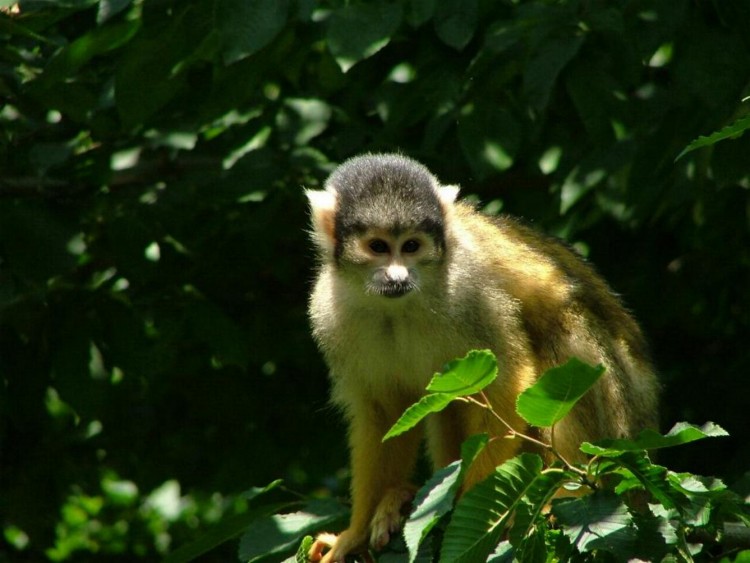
<point>323,542</point>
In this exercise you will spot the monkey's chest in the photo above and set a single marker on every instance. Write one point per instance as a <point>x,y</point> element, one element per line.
<point>386,352</point>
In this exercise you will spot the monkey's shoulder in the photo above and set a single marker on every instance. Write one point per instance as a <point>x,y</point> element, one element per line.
<point>554,284</point>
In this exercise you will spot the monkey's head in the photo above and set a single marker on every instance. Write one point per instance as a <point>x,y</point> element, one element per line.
<point>380,221</point>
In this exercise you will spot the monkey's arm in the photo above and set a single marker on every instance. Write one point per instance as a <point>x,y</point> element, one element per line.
<point>380,486</point>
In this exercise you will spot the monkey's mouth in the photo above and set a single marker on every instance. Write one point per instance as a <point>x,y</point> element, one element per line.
<point>395,289</point>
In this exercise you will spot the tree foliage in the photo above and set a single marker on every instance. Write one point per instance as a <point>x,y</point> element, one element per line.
<point>155,360</point>
<point>623,506</point>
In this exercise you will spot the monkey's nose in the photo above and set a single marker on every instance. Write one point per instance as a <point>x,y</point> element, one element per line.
<point>397,273</point>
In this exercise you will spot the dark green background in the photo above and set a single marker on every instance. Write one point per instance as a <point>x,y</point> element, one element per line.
<point>154,264</point>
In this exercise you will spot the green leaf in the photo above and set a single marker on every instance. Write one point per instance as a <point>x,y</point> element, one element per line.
<point>72,57</point>
<point>690,484</point>
<point>589,90</point>
<point>110,8</point>
<point>503,553</point>
<point>12,27</point>
<point>467,375</point>
<point>145,83</point>
<point>255,492</point>
<point>480,516</point>
<point>436,497</point>
<point>279,533</point>
<point>358,31</point>
<point>456,21</point>
<point>657,529</point>
<point>598,521</point>
<point>459,378</point>
<point>548,401</point>
<point>304,549</point>
<point>539,494</point>
<point>681,433</point>
<point>502,35</point>
<point>533,549</point>
<point>433,402</point>
<point>246,26</point>
<point>226,339</point>
<point>418,12</point>
<point>732,131</point>
<point>653,478</point>
<point>303,119</point>
<point>228,528</point>
<point>490,138</point>
<point>546,64</point>
<point>433,500</point>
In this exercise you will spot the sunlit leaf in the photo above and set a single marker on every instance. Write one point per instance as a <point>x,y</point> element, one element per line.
<point>638,467</point>
<point>430,403</point>
<point>436,497</point>
<point>490,138</point>
<point>732,131</point>
<point>479,519</point>
<point>246,26</point>
<point>459,378</point>
<point>99,40</point>
<point>681,433</point>
<point>538,496</point>
<point>557,391</point>
<point>303,550</point>
<point>230,528</point>
<point>110,8</point>
<point>467,375</point>
<point>280,533</point>
<point>358,31</point>
<point>598,521</point>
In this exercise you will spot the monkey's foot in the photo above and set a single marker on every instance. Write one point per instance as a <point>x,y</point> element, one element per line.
<point>387,518</point>
<point>330,548</point>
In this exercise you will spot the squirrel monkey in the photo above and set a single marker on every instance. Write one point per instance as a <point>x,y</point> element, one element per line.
<point>409,279</point>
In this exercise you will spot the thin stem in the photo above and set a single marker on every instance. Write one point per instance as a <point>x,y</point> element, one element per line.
<point>513,433</point>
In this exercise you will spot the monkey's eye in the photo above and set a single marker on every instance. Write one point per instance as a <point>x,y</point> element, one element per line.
<point>410,246</point>
<point>379,246</point>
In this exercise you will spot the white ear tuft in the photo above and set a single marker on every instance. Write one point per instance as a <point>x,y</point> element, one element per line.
<point>448,194</point>
<point>321,200</point>
<point>322,215</point>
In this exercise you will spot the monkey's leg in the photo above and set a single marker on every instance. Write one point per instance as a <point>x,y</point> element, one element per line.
<point>380,486</point>
<point>387,518</point>
<point>501,447</point>
<point>444,436</point>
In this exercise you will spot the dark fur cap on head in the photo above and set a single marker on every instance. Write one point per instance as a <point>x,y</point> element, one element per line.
<point>387,191</point>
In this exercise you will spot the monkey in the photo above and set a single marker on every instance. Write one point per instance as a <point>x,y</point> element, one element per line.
<point>409,278</point>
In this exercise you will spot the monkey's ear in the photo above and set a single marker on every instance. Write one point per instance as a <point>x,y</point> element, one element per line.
<point>448,194</point>
<point>322,215</point>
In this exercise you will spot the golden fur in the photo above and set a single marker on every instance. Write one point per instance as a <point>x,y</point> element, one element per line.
<point>496,284</point>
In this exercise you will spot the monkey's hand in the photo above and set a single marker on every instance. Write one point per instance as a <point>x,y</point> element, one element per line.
<point>330,548</point>
<point>388,515</point>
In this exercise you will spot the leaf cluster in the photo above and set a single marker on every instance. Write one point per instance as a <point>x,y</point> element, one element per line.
<point>620,505</point>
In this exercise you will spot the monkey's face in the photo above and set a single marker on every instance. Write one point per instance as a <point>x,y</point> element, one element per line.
<point>389,264</point>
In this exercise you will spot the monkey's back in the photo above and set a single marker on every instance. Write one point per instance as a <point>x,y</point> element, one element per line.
<point>560,307</point>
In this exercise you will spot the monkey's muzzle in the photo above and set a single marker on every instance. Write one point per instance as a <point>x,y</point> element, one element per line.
<point>396,288</point>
